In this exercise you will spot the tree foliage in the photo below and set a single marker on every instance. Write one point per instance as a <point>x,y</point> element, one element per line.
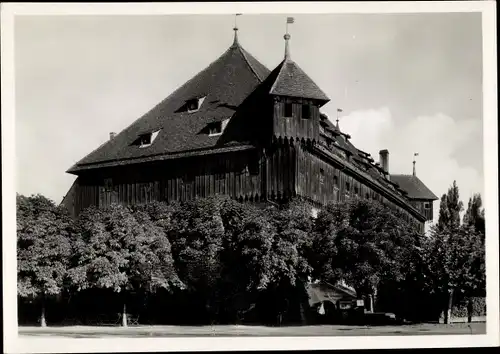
<point>122,251</point>
<point>450,208</point>
<point>44,233</point>
<point>474,215</point>
<point>455,260</point>
<point>363,242</point>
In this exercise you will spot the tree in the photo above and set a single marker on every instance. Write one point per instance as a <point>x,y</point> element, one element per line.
<point>44,231</point>
<point>455,264</point>
<point>450,208</point>
<point>452,271</point>
<point>363,243</point>
<point>263,255</point>
<point>122,251</point>
<point>196,235</point>
<point>474,215</point>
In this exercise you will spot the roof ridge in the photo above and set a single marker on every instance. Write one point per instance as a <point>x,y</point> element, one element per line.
<point>244,53</point>
<point>277,76</point>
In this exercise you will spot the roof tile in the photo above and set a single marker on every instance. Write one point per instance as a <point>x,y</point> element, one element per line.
<point>293,81</point>
<point>415,188</point>
<point>225,84</point>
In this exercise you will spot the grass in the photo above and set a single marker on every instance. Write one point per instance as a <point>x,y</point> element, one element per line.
<point>238,330</point>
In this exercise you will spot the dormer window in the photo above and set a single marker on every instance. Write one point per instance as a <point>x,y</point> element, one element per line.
<point>216,128</point>
<point>146,139</point>
<point>192,105</point>
<point>288,110</point>
<point>306,111</point>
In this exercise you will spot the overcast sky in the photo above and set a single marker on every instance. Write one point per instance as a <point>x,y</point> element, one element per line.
<point>406,82</point>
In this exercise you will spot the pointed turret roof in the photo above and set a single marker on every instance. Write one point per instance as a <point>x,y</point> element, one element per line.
<point>294,82</point>
<point>223,85</point>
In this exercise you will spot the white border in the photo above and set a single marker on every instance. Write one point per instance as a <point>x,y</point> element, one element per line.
<point>46,345</point>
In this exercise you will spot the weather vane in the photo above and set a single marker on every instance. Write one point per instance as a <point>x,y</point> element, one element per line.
<point>235,22</point>
<point>415,154</point>
<point>338,111</point>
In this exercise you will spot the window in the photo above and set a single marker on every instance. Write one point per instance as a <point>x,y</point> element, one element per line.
<point>215,128</point>
<point>192,105</point>
<point>336,182</point>
<point>188,178</point>
<point>427,205</point>
<point>146,139</point>
<point>108,184</point>
<point>288,110</point>
<point>220,171</point>
<point>253,166</point>
<point>306,111</point>
<point>356,190</point>
<point>347,187</point>
<point>367,195</point>
<point>321,176</point>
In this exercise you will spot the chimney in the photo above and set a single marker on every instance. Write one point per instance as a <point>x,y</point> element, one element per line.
<point>112,135</point>
<point>384,160</point>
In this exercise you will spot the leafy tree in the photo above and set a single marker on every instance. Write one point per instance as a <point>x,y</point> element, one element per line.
<point>363,243</point>
<point>196,235</point>
<point>43,248</point>
<point>474,215</point>
<point>122,251</point>
<point>262,254</point>
<point>450,208</point>
<point>455,264</point>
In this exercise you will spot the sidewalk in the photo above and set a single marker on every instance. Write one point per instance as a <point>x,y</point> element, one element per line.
<point>237,330</point>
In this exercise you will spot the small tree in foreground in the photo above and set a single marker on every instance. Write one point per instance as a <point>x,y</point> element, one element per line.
<point>43,248</point>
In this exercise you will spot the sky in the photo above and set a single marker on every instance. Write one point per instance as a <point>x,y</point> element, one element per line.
<point>405,82</point>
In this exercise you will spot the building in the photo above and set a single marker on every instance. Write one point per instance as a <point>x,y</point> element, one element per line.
<point>241,130</point>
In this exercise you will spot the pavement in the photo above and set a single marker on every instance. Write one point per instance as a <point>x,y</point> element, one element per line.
<point>240,330</point>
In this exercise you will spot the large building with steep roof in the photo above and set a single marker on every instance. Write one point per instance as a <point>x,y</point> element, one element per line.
<point>241,130</point>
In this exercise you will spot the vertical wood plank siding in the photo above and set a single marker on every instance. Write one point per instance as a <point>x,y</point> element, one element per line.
<point>283,170</point>
<point>296,126</point>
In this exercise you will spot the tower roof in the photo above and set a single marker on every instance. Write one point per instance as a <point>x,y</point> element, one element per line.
<point>222,86</point>
<point>415,188</point>
<point>294,82</point>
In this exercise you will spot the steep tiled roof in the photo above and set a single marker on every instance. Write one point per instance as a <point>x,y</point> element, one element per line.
<point>293,81</point>
<point>415,188</point>
<point>225,83</point>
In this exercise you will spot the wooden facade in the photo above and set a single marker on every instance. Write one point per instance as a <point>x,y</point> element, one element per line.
<point>295,123</point>
<point>283,170</point>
